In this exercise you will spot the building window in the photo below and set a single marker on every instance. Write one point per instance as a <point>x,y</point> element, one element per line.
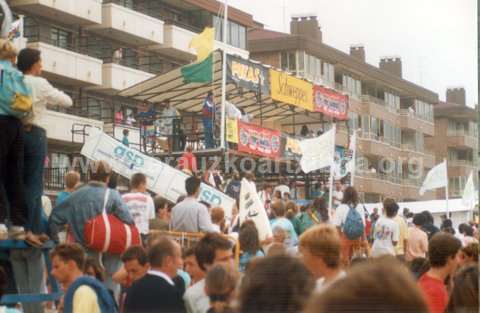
<point>288,61</point>
<point>351,85</point>
<point>236,35</point>
<point>328,73</point>
<point>61,38</point>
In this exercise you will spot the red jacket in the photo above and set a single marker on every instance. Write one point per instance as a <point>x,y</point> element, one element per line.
<point>188,161</point>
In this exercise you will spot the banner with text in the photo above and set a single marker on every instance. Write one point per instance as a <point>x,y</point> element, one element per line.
<point>291,90</point>
<point>162,179</point>
<point>247,74</point>
<point>259,141</point>
<point>330,102</point>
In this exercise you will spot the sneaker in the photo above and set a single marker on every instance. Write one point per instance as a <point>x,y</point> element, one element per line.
<point>33,240</point>
<point>16,233</point>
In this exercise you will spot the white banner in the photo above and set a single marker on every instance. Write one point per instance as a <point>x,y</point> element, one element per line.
<point>251,208</point>
<point>162,179</point>
<point>436,178</point>
<point>469,193</point>
<point>318,152</point>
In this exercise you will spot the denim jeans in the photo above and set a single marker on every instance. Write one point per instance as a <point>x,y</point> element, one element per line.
<point>34,162</point>
<point>28,267</point>
<point>11,171</point>
<point>208,132</point>
<point>111,263</point>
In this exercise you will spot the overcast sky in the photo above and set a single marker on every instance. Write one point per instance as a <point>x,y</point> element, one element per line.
<point>436,39</point>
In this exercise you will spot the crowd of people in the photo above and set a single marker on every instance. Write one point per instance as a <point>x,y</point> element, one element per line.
<point>318,259</point>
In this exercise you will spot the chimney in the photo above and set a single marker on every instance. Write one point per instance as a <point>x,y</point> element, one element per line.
<point>306,26</point>
<point>358,52</point>
<point>456,95</point>
<point>393,65</point>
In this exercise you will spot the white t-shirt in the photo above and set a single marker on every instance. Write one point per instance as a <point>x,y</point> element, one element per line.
<point>141,208</point>
<point>386,232</point>
<point>339,196</point>
<point>341,214</point>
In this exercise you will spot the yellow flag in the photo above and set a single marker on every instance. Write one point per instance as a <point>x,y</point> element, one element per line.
<point>203,43</point>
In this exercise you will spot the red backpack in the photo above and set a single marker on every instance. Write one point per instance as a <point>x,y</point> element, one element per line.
<point>107,233</point>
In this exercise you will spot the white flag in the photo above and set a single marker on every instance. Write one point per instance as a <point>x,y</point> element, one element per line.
<point>469,193</point>
<point>318,152</point>
<point>252,208</point>
<point>436,178</point>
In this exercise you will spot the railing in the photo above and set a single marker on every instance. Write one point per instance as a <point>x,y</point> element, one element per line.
<point>460,163</point>
<point>54,177</point>
<point>459,132</point>
<point>412,114</point>
<point>394,179</point>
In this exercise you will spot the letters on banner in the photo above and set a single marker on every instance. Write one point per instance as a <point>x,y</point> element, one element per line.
<point>291,90</point>
<point>259,141</point>
<point>161,178</point>
<point>330,102</point>
<point>247,74</point>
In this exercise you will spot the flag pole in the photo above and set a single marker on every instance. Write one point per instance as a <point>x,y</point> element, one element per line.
<point>330,194</point>
<point>224,74</point>
<point>446,188</point>
<point>354,158</point>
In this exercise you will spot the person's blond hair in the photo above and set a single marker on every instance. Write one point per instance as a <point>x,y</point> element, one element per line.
<point>72,178</point>
<point>322,241</point>
<point>7,50</point>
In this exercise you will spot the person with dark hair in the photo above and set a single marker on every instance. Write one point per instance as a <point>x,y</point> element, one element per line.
<point>208,115</point>
<point>233,186</point>
<point>125,140</point>
<point>220,285</point>
<point>81,293</point>
<point>350,216</point>
<point>162,214</point>
<point>313,214</point>
<point>443,252</point>
<point>265,195</point>
<point>85,204</point>
<point>464,296</point>
<point>387,231</point>
<point>382,285</point>
<point>320,249</point>
<point>212,249</point>
<point>275,284</point>
<point>468,236</point>
<point>192,267</point>
<point>429,227</point>
<point>417,242</point>
<point>140,204</point>
<point>418,267</point>
<point>93,269</point>
<point>156,291</point>
<point>190,215</point>
<point>249,244</point>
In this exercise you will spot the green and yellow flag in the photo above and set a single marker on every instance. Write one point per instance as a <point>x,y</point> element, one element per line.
<point>201,70</point>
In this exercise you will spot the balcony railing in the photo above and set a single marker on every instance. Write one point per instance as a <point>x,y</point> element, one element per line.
<point>54,177</point>
<point>460,133</point>
<point>412,114</point>
<point>468,163</point>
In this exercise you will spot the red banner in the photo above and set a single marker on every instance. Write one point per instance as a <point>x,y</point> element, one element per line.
<point>330,102</point>
<point>259,141</point>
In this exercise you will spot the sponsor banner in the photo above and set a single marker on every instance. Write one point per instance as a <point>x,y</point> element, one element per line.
<point>247,74</point>
<point>291,90</point>
<point>162,179</point>
<point>330,102</point>
<point>232,130</point>
<point>251,208</point>
<point>259,141</point>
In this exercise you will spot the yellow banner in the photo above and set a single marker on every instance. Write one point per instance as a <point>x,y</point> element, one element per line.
<point>232,130</point>
<point>291,90</point>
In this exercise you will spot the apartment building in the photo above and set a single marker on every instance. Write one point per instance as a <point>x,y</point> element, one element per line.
<point>93,49</point>
<point>456,139</point>
<point>395,116</point>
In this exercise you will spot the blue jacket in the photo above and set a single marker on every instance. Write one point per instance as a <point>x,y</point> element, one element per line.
<point>105,300</point>
<point>83,205</point>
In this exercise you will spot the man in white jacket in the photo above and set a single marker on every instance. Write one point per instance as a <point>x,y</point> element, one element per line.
<point>35,151</point>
